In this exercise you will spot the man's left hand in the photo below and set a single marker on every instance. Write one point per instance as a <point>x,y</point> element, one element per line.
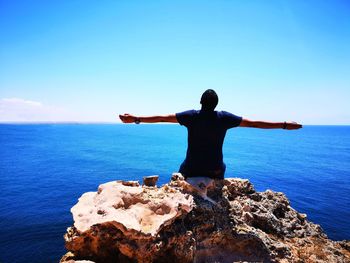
<point>127,118</point>
<point>293,126</point>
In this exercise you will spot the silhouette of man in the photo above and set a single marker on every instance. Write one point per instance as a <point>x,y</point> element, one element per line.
<point>206,132</point>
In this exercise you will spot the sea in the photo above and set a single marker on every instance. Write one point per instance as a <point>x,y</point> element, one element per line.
<point>45,168</point>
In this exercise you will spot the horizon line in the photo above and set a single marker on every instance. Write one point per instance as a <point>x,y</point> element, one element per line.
<point>109,122</point>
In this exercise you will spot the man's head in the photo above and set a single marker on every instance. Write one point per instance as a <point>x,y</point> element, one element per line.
<point>209,100</point>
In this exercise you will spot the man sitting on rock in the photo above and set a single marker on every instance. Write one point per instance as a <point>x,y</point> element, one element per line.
<point>206,132</point>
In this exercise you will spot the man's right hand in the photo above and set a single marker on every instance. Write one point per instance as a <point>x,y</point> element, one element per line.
<point>293,126</point>
<point>127,118</point>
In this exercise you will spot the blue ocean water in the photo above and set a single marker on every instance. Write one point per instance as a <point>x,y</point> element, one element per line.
<point>45,168</point>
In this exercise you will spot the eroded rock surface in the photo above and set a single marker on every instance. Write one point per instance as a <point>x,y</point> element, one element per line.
<point>125,222</point>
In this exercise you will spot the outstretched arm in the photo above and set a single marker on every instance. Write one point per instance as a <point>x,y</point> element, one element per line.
<point>270,125</point>
<point>128,118</point>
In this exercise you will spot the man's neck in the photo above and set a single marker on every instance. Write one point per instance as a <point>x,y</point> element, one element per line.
<point>206,110</point>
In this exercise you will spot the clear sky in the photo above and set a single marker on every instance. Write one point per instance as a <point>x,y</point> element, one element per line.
<point>90,60</point>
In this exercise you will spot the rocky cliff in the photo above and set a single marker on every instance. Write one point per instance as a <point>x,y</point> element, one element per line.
<point>228,222</point>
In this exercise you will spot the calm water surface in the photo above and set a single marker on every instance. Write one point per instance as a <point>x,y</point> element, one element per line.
<point>45,168</point>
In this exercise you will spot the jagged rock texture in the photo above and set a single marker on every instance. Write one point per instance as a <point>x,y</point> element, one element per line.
<point>124,222</point>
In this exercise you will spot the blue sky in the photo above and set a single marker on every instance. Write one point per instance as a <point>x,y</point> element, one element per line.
<point>91,60</point>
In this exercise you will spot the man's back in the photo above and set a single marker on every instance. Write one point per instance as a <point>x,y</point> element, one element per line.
<point>206,133</point>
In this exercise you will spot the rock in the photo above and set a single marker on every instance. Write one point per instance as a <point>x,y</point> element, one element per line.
<point>345,244</point>
<point>126,222</point>
<point>150,180</point>
<point>130,207</point>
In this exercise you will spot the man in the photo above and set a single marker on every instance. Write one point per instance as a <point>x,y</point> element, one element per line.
<point>206,132</point>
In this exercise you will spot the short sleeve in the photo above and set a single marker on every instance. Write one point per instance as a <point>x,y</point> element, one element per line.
<point>230,120</point>
<point>185,118</point>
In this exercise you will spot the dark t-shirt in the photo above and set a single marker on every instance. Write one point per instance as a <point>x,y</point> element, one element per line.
<point>206,133</point>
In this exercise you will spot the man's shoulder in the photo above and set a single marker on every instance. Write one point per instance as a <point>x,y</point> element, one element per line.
<point>188,112</point>
<point>224,113</point>
<point>186,117</point>
<point>229,119</point>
